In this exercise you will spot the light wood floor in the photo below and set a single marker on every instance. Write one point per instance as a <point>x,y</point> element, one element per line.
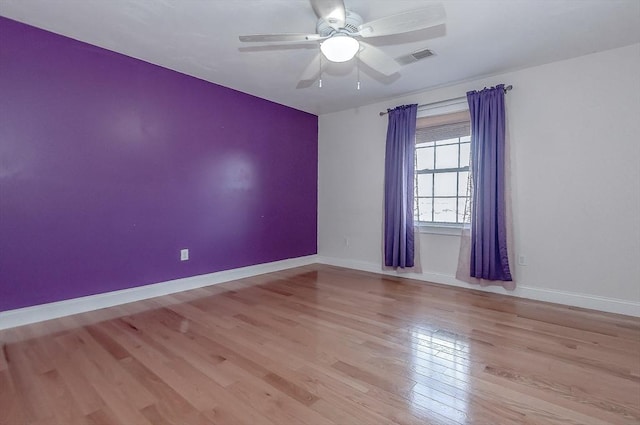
<point>324,345</point>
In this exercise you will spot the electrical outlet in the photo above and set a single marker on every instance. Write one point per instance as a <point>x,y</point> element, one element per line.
<point>184,254</point>
<point>522,260</point>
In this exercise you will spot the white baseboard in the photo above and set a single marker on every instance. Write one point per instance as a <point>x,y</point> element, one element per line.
<point>39,313</point>
<point>593,302</point>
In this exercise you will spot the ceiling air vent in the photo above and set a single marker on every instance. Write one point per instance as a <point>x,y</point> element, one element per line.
<point>414,57</point>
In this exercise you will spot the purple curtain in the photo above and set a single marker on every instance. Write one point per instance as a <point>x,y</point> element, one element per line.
<point>398,187</point>
<point>489,258</point>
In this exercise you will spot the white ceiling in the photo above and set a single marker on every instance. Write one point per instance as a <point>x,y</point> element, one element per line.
<point>200,38</point>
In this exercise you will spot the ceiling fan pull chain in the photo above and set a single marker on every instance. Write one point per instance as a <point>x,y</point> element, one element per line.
<point>320,72</point>
<point>358,70</point>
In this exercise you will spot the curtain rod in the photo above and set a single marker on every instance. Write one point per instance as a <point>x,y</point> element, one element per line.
<point>506,89</point>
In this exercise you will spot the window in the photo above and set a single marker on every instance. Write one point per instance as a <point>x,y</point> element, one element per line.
<point>442,168</point>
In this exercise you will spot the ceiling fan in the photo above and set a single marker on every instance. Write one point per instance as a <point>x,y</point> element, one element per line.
<point>340,32</point>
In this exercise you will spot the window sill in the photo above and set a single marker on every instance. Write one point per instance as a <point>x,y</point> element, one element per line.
<point>440,229</point>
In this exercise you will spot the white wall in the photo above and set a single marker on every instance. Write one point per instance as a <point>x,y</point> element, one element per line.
<point>574,128</point>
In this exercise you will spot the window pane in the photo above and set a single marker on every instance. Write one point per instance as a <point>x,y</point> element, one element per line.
<point>462,183</point>
<point>425,184</point>
<point>445,184</point>
<point>425,206</point>
<point>465,152</point>
<point>445,210</point>
<point>461,207</point>
<point>424,158</point>
<point>447,156</point>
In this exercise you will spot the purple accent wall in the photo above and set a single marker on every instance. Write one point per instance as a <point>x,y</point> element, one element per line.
<point>110,165</point>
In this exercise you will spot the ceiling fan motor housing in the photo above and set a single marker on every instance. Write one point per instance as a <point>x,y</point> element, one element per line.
<point>352,22</point>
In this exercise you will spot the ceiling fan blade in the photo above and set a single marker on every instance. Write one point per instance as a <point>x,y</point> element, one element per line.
<point>412,20</point>
<point>332,11</point>
<point>377,59</point>
<point>312,72</point>
<point>268,38</point>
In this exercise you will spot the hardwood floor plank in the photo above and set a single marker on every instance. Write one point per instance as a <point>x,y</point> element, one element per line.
<point>291,389</point>
<point>103,416</point>
<point>159,364</point>
<point>79,386</point>
<point>172,406</point>
<point>12,408</point>
<point>26,383</point>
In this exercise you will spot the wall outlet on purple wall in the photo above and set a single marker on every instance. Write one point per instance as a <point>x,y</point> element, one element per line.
<point>184,254</point>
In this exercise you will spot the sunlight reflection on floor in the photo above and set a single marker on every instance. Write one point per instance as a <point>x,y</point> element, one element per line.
<point>440,368</point>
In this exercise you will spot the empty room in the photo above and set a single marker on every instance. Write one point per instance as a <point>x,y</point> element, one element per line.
<point>319,212</point>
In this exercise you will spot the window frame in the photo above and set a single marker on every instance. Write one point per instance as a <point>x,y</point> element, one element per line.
<point>441,228</point>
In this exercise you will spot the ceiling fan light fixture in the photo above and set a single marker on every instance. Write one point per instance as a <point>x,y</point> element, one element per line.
<point>340,48</point>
